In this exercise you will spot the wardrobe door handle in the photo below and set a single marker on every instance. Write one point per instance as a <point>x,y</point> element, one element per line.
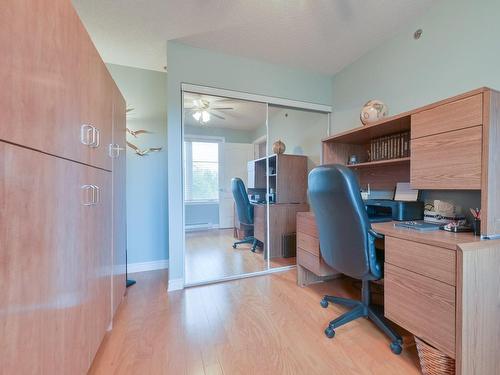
<point>114,150</point>
<point>86,134</point>
<point>89,135</point>
<point>96,135</point>
<point>87,195</point>
<point>96,194</point>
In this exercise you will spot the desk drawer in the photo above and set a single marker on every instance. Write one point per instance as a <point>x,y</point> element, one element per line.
<point>421,305</point>
<point>313,263</point>
<point>308,243</point>
<point>306,223</point>
<point>457,115</point>
<point>426,260</point>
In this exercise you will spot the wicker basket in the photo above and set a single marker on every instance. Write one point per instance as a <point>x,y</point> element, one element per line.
<point>433,361</point>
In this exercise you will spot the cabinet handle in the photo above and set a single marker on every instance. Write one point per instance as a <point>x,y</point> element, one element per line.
<point>96,135</point>
<point>89,135</point>
<point>87,195</point>
<point>96,194</point>
<point>114,150</point>
<point>86,134</point>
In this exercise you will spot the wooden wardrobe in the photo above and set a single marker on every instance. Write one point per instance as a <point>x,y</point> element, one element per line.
<point>62,201</point>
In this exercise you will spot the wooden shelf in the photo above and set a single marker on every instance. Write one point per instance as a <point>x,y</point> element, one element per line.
<point>363,135</point>
<point>380,162</point>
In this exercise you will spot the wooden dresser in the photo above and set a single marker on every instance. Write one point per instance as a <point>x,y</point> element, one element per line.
<point>62,254</point>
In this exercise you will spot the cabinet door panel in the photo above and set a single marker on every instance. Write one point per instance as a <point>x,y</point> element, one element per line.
<point>460,114</point>
<point>99,253</point>
<point>447,161</point>
<point>44,295</point>
<point>52,78</point>
<point>119,200</point>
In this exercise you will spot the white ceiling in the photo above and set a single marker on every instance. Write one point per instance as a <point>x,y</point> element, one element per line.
<point>318,35</point>
<point>245,115</point>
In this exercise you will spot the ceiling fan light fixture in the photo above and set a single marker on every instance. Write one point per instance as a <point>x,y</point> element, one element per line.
<point>205,116</point>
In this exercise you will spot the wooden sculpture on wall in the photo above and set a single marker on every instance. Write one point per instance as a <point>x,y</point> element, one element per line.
<point>138,151</point>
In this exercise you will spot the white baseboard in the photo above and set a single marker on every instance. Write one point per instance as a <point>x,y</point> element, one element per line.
<point>204,226</point>
<point>175,284</point>
<point>147,266</point>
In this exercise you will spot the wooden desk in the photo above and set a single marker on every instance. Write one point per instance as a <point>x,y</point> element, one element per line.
<point>442,287</point>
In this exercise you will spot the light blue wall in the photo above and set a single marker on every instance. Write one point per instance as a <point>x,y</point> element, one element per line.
<point>147,219</point>
<point>202,213</point>
<point>202,67</point>
<point>457,52</point>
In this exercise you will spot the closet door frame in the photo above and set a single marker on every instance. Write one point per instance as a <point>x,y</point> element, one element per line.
<point>177,239</point>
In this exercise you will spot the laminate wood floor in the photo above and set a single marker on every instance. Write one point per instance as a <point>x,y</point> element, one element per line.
<point>260,325</point>
<point>210,256</point>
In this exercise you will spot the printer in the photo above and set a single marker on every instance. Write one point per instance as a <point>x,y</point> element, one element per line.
<point>380,210</point>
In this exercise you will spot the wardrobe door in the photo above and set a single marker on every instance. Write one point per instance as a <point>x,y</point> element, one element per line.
<point>99,257</point>
<point>43,264</point>
<point>54,85</point>
<point>119,199</point>
<point>95,104</point>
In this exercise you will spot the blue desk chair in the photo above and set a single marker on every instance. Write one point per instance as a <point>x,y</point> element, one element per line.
<point>244,210</point>
<point>347,243</point>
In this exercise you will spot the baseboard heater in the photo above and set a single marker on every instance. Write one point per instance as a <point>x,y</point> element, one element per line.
<point>199,226</point>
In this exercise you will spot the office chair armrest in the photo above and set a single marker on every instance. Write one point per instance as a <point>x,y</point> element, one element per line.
<point>375,234</point>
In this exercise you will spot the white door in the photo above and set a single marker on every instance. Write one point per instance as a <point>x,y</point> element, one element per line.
<point>233,161</point>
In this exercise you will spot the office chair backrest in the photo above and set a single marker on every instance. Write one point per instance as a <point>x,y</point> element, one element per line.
<point>243,207</point>
<point>345,242</point>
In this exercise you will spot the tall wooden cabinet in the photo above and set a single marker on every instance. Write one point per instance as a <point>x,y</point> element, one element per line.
<point>62,178</point>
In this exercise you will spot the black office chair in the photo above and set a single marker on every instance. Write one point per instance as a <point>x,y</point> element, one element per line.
<point>244,211</point>
<point>347,243</point>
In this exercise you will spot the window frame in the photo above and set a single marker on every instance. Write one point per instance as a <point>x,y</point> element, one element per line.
<point>188,166</point>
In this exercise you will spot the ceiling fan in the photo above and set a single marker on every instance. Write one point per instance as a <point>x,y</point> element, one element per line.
<point>203,110</point>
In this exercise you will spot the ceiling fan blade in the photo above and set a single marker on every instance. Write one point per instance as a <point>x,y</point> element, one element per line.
<point>221,108</point>
<point>216,115</point>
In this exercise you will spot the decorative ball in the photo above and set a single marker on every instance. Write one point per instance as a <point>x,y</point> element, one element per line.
<point>372,111</point>
<point>279,147</point>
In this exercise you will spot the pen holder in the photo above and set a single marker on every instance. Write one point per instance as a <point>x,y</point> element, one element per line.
<point>476,227</point>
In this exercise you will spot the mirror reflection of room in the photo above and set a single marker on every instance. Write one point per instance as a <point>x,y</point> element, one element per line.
<point>293,151</point>
<point>221,136</point>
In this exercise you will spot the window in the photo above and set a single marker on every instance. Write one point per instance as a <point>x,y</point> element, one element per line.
<point>201,170</point>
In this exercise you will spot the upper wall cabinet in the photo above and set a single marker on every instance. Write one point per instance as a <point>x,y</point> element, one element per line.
<point>446,145</point>
<point>454,146</point>
<point>55,88</point>
<point>459,114</point>
<point>449,160</point>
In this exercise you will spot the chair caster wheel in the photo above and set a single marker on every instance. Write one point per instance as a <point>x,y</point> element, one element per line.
<point>324,303</point>
<point>396,347</point>
<point>234,246</point>
<point>329,332</point>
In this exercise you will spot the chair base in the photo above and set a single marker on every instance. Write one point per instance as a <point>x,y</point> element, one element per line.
<point>362,309</point>
<point>250,239</point>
